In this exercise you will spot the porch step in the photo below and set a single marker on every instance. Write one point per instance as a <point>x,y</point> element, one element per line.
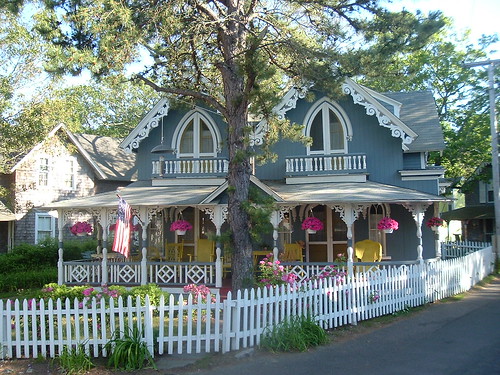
<point>223,292</point>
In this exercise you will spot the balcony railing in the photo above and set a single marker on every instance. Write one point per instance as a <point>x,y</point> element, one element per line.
<point>325,164</point>
<point>215,167</point>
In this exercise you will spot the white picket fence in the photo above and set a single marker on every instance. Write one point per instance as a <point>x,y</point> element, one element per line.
<point>183,324</point>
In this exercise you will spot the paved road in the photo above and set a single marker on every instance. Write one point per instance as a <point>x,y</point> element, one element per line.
<point>452,338</point>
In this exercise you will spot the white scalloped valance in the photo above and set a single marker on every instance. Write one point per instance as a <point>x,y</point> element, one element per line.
<point>142,130</point>
<point>289,102</point>
<point>372,110</point>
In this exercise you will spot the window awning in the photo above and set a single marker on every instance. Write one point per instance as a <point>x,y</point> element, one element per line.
<point>6,214</point>
<point>470,212</point>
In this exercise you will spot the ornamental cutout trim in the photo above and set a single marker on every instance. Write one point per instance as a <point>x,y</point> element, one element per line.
<point>372,110</point>
<point>289,102</point>
<point>152,123</point>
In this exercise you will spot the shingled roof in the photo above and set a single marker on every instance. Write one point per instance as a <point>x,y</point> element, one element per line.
<point>418,111</point>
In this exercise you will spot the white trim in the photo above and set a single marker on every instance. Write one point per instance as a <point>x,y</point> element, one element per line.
<point>319,179</point>
<point>323,105</point>
<point>198,181</point>
<point>373,108</point>
<point>196,114</point>
<point>150,121</point>
<point>52,224</point>
<point>381,97</point>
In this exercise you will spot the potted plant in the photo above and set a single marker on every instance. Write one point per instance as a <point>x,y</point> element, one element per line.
<point>180,227</point>
<point>312,224</point>
<point>388,225</point>
<point>434,223</point>
<point>81,228</point>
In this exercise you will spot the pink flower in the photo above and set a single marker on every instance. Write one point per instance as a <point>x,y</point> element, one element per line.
<point>87,292</point>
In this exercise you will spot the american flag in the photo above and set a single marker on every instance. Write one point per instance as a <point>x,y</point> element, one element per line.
<point>121,242</point>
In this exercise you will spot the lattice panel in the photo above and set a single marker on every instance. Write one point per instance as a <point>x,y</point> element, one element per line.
<point>197,275</point>
<point>127,273</point>
<point>79,274</point>
<point>167,274</point>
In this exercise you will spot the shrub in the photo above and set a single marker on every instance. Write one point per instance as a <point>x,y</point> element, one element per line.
<point>153,290</point>
<point>128,351</point>
<point>297,333</point>
<point>12,282</point>
<point>75,360</point>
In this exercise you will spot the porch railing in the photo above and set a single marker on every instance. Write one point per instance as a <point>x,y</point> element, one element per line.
<point>325,164</point>
<point>132,273</point>
<point>190,167</point>
<point>461,248</point>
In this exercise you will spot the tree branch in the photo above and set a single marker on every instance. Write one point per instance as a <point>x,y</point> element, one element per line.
<point>211,101</point>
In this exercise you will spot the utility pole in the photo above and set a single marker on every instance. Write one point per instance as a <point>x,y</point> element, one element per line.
<point>494,145</point>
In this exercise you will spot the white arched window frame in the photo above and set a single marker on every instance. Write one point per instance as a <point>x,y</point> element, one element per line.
<point>324,109</point>
<point>197,118</point>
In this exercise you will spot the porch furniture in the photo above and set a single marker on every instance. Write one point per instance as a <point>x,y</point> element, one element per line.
<point>205,251</point>
<point>112,256</point>
<point>292,253</point>
<point>368,251</point>
<point>259,254</point>
<point>174,251</point>
<point>154,254</point>
<point>226,264</point>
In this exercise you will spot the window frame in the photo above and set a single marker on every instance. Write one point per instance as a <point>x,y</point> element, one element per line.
<point>52,230</point>
<point>323,106</point>
<point>196,116</point>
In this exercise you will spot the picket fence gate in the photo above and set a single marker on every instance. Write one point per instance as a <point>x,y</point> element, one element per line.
<point>190,324</point>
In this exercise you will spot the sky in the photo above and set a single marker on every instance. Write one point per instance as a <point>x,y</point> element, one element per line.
<point>480,16</point>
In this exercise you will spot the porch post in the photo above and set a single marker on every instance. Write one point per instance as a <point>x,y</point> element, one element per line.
<point>104,264</point>
<point>349,213</point>
<point>218,216</point>
<point>144,251</point>
<point>418,211</point>
<point>60,265</point>
<point>275,220</point>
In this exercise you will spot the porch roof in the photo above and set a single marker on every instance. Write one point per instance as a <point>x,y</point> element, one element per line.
<point>470,212</point>
<point>350,192</point>
<point>137,195</point>
<point>6,214</point>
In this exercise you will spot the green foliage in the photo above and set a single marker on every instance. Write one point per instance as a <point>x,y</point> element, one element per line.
<point>294,334</point>
<point>32,279</point>
<point>152,290</point>
<point>128,351</point>
<point>74,360</point>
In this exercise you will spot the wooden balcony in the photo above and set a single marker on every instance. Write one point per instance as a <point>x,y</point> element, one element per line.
<point>309,165</point>
<point>209,167</point>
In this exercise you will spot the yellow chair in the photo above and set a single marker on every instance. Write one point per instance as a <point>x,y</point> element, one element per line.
<point>226,264</point>
<point>292,253</point>
<point>174,251</point>
<point>205,251</point>
<point>154,254</point>
<point>368,251</point>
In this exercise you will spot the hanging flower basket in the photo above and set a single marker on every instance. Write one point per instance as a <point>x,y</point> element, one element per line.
<point>81,228</point>
<point>311,225</point>
<point>180,227</point>
<point>388,225</point>
<point>434,223</point>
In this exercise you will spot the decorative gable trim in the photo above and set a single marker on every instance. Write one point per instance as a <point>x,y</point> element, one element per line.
<point>150,121</point>
<point>288,102</point>
<point>373,108</point>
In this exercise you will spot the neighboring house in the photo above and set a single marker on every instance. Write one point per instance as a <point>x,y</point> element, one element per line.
<point>478,216</point>
<point>367,160</point>
<point>63,166</point>
<point>7,219</point>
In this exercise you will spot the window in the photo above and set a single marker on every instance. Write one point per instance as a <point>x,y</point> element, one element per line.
<point>197,137</point>
<point>45,226</point>
<point>68,170</point>
<point>327,126</point>
<point>486,192</point>
<point>43,172</point>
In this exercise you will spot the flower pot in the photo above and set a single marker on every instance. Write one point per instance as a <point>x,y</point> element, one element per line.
<point>81,234</point>
<point>311,231</point>
<point>180,232</point>
<point>388,230</point>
